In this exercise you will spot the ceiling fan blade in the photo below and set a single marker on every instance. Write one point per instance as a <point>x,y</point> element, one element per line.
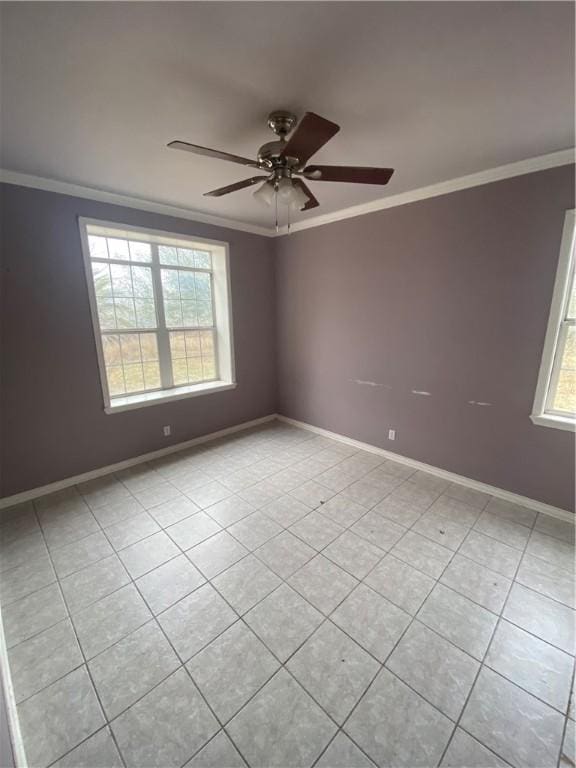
<point>354,175</point>
<point>312,202</point>
<point>235,187</point>
<point>216,153</point>
<point>310,135</point>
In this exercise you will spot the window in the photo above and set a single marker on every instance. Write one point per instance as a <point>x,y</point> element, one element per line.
<point>555,401</point>
<point>161,312</point>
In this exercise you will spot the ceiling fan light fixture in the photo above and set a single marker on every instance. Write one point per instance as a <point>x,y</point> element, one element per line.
<point>285,190</point>
<point>299,199</point>
<point>265,194</point>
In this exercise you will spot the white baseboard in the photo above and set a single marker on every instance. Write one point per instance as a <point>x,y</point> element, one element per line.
<point>34,493</point>
<point>500,493</point>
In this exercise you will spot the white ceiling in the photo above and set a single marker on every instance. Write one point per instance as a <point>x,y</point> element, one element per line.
<point>92,92</point>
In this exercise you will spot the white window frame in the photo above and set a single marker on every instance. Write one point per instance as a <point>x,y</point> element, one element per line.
<point>222,308</point>
<point>542,413</point>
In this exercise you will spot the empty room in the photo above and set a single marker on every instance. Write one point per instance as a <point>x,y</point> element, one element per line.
<point>287,384</point>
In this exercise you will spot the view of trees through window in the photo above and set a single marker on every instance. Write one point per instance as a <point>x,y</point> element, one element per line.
<point>155,312</point>
<point>564,375</point>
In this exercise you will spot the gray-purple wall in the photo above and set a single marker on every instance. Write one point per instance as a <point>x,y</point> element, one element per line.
<point>449,296</point>
<point>53,422</point>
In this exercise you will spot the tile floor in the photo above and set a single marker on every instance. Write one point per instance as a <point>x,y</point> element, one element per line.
<point>280,599</point>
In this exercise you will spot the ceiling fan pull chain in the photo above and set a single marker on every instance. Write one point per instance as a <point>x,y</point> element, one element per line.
<point>276,201</point>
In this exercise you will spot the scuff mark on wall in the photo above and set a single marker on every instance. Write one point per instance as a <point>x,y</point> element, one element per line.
<point>366,383</point>
<point>478,402</point>
<point>421,392</point>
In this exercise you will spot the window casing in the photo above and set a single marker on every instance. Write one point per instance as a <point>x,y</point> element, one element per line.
<point>555,400</point>
<point>161,312</point>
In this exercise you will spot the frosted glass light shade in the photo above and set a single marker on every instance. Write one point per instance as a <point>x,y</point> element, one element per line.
<point>265,194</point>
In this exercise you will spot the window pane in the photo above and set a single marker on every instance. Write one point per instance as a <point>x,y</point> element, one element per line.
<point>123,283</point>
<point>189,314</point>
<point>569,357</point>
<point>193,357</point>
<point>101,277</point>
<point>203,287</point>
<point>121,280</point>
<point>140,251</point>
<point>151,375</point>
<point>185,257</point>
<point>134,377</point>
<point>565,395</point>
<point>149,346</point>
<point>193,343</point>
<point>187,282</point>
<point>202,260</point>
<point>111,348</point>
<point>145,314</point>
<point>565,399</point>
<point>194,369</point>
<point>125,313</point>
<point>187,298</point>
<point>132,363</point>
<point>204,313</point>
<point>180,372</point>
<point>115,378</point>
<point>177,345</point>
<point>209,368</point>
<point>142,282</point>
<point>167,255</point>
<point>130,346</point>
<point>170,284</point>
<point>173,312</point>
<point>106,314</point>
<point>98,248</point>
<point>118,249</point>
<point>207,342</point>
<point>572,302</point>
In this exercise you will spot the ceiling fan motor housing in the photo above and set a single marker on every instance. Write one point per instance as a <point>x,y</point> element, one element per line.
<point>281,122</point>
<point>271,153</point>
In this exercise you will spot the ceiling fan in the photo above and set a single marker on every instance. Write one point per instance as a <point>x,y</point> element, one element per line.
<point>284,162</point>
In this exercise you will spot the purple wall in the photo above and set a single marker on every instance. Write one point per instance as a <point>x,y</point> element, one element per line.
<point>53,422</point>
<point>450,296</point>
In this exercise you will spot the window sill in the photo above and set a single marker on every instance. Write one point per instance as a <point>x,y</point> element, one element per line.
<point>141,400</point>
<point>556,422</point>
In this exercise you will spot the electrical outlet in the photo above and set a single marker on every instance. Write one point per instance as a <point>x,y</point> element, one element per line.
<point>167,430</point>
<point>391,434</point>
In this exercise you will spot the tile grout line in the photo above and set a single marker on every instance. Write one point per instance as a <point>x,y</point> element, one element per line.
<point>108,723</point>
<point>85,663</point>
<point>283,581</point>
<point>153,616</point>
<point>385,553</point>
<point>483,663</point>
<point>566,719</point>
<point>252,552</point>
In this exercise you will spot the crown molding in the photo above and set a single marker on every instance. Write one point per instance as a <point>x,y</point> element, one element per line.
<point>138,203</point>
<point>531,165</point>
<point>520,168</point>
